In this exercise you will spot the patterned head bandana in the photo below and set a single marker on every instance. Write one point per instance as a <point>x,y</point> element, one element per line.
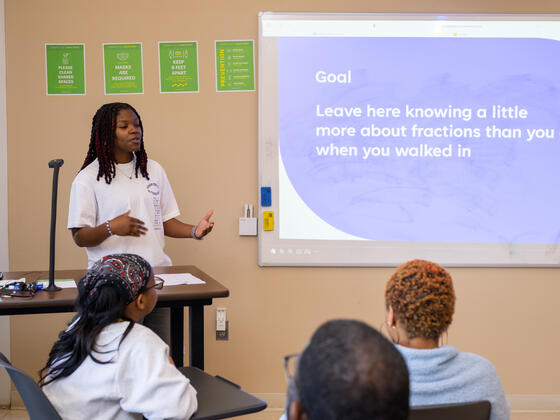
<point>128,272</point>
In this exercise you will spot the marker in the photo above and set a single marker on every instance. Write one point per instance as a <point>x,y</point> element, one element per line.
<point>268,220</point>
<point>266,196</point>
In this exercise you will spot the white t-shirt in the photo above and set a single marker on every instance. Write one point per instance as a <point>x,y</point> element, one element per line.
<point>93,202</point>
<point>140,381</point>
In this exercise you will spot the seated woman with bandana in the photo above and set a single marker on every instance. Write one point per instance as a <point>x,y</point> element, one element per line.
<point>107,366</point>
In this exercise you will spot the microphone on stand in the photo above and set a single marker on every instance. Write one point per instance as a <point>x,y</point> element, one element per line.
<point>55,164</point>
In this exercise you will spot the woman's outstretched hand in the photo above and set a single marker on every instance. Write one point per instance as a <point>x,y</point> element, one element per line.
<point>205,226</point>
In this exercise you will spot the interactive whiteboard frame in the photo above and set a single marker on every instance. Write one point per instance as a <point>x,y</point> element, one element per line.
<point>348,250</point>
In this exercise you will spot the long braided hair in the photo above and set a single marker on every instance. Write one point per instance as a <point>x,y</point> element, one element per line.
<point>102,142</point>
<point>103,295</point>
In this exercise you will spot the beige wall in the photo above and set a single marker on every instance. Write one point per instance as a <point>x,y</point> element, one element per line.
<point>208,144</point>
<point>4,321</point>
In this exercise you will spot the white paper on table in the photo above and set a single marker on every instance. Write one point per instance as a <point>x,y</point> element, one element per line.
<point>5,282</point>
<point>62,283</point>
<point>179,278</point>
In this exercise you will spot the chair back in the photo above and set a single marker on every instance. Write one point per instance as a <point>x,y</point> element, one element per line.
<point>476,410</point>
<point>38,405</point>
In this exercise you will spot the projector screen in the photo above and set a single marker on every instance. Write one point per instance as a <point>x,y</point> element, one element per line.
<point>390,137</point>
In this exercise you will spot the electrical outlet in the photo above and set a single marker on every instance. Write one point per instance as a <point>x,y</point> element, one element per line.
<point>223,335</point>
<point>221,319</point>
<point>222,324</point>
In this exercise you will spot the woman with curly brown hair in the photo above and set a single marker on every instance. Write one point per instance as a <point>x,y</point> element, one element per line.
<point>420,302</point>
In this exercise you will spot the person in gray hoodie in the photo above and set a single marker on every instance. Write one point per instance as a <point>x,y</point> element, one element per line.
<point>420,302</point>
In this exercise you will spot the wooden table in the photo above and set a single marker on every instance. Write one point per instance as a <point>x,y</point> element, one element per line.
<point>195,296</point>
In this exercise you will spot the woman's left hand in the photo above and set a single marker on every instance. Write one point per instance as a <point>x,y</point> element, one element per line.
<point>205,226</point>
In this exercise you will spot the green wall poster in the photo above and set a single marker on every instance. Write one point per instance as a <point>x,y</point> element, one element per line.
<point>235,66</point>
<point>178,67</point>
<point>122,65</point>
<point>65,69</point>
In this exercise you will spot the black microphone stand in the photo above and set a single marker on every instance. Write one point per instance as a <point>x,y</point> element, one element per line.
<point>56,164</point>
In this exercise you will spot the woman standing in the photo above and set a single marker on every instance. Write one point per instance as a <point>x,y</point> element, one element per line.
<point>121,201</point>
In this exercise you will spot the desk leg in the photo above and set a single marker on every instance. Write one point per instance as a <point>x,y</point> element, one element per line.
<point>177,331</point>
<point>196,336</point>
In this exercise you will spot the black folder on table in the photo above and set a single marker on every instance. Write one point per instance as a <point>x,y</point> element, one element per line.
<point>218,398</point>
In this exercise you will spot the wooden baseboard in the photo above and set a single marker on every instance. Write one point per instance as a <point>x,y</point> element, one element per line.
<point>523,406</point>
<point>534,403</point>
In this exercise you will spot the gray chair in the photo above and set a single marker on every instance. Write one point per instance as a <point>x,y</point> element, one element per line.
<point>38,405</point>
<point>476,410</point>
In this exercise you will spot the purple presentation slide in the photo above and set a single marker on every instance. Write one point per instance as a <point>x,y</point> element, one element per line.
<point>424,139</point>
